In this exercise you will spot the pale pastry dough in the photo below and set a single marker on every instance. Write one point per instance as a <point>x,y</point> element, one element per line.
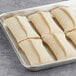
<point>60,36</point>
<point>33,48</point>
<point>30,52</point>
<point>15,28</point>
<point>57,50</point>
<point>27,28</point>
<point>63,18</point>
<point>68,49</point>
<point>50,22</point>
<point>67,20</point>
<point>72,35</point>
<point>39,23</point>
<point>52,35</point>
<point>35,51</point>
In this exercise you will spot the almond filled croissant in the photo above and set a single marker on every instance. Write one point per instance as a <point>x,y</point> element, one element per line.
<point>52,35</point>
<point>67,20</point>
<point>28,40</point>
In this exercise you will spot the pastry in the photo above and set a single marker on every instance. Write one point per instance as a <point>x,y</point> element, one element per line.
<point>16,30</point>
<point>30,32</point>
<point>33,48</point>
<point>52,35</point>
<point>67,20</point>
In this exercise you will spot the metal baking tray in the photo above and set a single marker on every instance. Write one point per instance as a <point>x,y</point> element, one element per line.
<point>12,41</point>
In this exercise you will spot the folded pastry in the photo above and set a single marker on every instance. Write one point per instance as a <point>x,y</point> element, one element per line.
<point>25,36</point>
<point>15,28</point>
<point>67,20</point>
<point>35,51</point>
<point>30,32</point>
<point>52,35</point>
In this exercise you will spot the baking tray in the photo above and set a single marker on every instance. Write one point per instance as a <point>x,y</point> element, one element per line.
<point>18,51</point>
